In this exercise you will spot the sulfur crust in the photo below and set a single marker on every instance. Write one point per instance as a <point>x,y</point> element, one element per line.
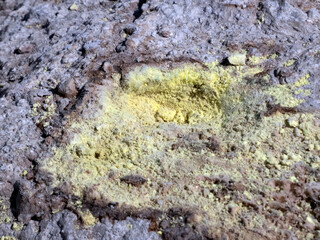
<point>135,129</point>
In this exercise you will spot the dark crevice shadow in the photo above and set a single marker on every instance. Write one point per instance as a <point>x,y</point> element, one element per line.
<point>225,62</point>
<point>15,199</point>
<point>138,12</point>
<point>3,92</point>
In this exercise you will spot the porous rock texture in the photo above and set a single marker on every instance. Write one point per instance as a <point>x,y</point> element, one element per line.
<point>53,52</point>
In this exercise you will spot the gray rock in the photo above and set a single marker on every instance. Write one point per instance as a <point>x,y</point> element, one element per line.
<point>62,226</point>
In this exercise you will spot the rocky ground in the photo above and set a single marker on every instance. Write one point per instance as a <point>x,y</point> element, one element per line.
<point>56,58</point>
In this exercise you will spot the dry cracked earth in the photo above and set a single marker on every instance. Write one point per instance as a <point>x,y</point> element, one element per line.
<point>149,119</point>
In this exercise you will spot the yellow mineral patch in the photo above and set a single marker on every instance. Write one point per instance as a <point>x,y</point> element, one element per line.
<point>87,218</point>
<point>5,214</point>
<point>17,226</point>
<point>288,63</point>
<point>302,81</point>
<point>163,125</point>
<point>44,111</point>
<point>285,94</point>
<point>273,56</point>
<point>183,95</point>
<point>257,59</point>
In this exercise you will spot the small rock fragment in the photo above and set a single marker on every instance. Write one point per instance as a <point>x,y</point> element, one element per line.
<point>310,147</point>
<point>63,103</point>
<point>134,180</point>
<point>206,192</point>
<point>166,114</point>
<point>107,67</point>
<point>194,218</point>
<point>286,163</point>
<point>297,132</point>
<point>166,187</point>
<point>292,122</point>
<point>233,209</point>
<point>26,48</point>
<point>164,224</point>
<point>165,33</point>
<point>293,179</point>
<point>74,7</point>
<point>213,144</point>
<point>67,88</point>
<point>237,59</point>
<point>313,13</point>
<point>310,223</point>
<point>43,93</point>
<point>82,150</point>
<point>272,161</point>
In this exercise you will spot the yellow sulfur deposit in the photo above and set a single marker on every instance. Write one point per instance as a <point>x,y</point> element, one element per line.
<point>285,94</point>
<point>136,127</point>
<point>87,218</point>
<point>183,95</point>
<point>288,63</point>
<point>160,125</point>
<point>257,59</point>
